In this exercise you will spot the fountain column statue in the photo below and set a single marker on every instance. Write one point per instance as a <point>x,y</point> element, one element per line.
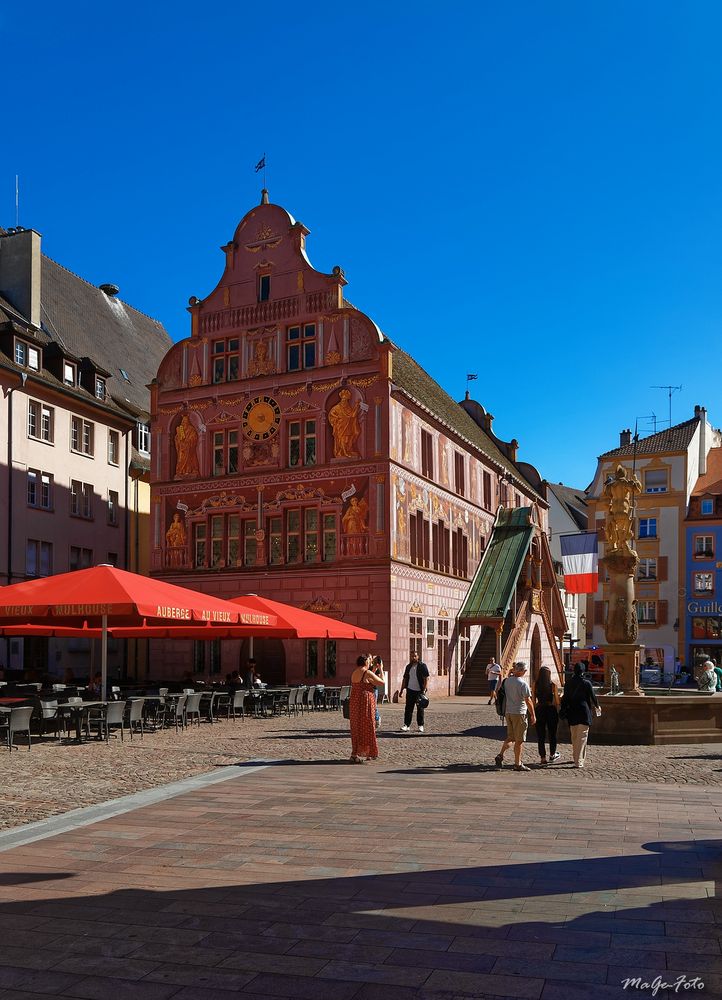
<point>621,562</point>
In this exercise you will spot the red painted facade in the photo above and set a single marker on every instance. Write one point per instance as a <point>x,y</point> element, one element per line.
<point>300,455</point>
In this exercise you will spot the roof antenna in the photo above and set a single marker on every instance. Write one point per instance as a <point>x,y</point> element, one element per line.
<point>670,389</point>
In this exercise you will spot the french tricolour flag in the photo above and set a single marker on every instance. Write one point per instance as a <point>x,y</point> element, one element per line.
<point>580,559</point>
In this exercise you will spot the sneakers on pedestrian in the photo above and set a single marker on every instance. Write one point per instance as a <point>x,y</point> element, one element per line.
<point>404,729</point>
<point>499,760</point>
<point>421,729</point>
<point>554,756</point>
<point>521,767</point>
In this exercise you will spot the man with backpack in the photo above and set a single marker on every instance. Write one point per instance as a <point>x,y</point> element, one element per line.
<point>415,682</point>
<point>514,703</point>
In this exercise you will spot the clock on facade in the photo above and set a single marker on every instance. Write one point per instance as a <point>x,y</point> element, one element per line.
<point>261,418</point>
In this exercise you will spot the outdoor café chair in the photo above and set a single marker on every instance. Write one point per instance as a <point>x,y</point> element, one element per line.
<point>135,716</point>
<point>235,705</point>
<point>193,707</point>
<point>112,715</point>
<point>46,712</point>
<point>293,700</point>
<point>309,699</point>
<point>17,720</point>
<point>175,711</point>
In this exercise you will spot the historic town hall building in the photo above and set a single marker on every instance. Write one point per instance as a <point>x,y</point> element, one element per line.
<point>301,455</point>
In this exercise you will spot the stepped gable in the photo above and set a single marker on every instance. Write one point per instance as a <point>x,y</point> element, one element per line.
<point>417,383</point>
<point>676,438</point>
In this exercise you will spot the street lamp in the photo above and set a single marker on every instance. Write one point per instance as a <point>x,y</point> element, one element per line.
<point>583,627</point>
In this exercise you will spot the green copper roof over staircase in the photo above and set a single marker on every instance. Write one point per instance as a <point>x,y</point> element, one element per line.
<point>493,586</point>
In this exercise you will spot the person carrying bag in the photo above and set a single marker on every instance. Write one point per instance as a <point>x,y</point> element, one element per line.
<point>577,704</point>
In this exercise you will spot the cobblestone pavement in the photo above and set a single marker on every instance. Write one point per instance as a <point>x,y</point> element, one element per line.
<point>460,734</point>
<point>323,881</point>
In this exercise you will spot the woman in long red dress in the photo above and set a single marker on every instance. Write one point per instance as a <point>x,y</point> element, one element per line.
<point>362,711</point>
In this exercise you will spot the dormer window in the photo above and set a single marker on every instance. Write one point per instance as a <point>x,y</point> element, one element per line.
<point>264,287</point>
<point>70,376</point>
<point>708,507</point>
<point>124,375</point>
<point>27,356</point>
<point>99,387</point>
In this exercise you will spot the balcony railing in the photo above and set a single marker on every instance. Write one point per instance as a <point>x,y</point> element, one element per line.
<point>354,545</point>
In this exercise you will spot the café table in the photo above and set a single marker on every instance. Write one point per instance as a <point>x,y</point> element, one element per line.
<point>78,712</point>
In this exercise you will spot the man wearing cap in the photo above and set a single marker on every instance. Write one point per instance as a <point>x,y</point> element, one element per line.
<point>518,708</point>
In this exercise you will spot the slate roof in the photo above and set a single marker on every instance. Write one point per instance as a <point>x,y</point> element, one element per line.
<point>493,586</point>
<point>673,439</point>
<point>411,377</point>
<point>88,323</point>
<point>574,502</point>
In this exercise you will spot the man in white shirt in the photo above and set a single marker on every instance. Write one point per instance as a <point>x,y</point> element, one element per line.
<point>517,705</point>
<point>493,675</point>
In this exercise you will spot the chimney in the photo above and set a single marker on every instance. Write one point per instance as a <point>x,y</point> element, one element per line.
<point>625,437</point>
<point>701,412</point>
<point>20,272</point>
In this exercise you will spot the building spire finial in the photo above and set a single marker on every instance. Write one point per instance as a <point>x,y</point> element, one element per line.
<point>264,196</point>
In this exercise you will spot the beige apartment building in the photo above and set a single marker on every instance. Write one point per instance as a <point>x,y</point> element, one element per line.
<point>75,363</point>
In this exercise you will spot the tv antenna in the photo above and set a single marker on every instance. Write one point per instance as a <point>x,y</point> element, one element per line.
<point>653,418</point>
<point>670,390</point>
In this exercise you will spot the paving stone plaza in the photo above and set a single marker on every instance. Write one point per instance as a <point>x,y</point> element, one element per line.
<point>270,868</point>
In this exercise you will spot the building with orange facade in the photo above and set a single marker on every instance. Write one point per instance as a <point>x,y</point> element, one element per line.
<point>300,454</point>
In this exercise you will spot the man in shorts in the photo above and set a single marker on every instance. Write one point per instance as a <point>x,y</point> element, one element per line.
<point>493,676</point>
<point>518,708</point>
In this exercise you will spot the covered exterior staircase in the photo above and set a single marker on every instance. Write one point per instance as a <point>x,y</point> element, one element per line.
<point>515,598</point>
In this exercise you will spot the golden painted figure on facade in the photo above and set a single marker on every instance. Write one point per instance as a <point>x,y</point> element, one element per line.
<point>261,364</point>
<point>186,449</point>
<point>344,421</point>
<point>354,520</point>
<point>175,536</point>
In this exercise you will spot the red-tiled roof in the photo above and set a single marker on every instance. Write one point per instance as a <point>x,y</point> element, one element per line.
<point>711,481</point>
<point>673,439</point>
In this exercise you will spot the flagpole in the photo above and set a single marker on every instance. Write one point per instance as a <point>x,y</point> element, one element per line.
<point>264,172</point>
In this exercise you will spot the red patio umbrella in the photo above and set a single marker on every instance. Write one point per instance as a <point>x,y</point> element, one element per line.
<point>104,595</point>
<point>304,624</point>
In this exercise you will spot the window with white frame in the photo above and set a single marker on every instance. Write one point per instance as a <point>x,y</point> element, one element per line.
<point>707,507</point>
<point>113,447</point>
<point>703,583</point>
<point>38,558</point>
<point>647,612</point>
<point>302,442</point>
<point>143,437</point>
<point>99,387</point>
<point>655,481</point>
<point>27,356</point>
<point>70,374</point>
<point>301,347</point>
<point>703,547</point>
<point>112,507</point>
<point>648,527</point>
<point>647,569</point>
<point>41,421</point>
<point>82,433</point>
<point>81,499</point>
<point>40,489</point>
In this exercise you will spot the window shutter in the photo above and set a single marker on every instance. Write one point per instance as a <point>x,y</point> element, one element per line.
<point>662,616</point>
<point>662,567</point>
<point>599,612</point>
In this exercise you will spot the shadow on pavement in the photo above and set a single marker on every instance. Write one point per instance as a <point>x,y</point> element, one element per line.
<point>498,930</point>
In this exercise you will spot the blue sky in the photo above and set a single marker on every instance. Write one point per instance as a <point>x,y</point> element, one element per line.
<point>526,190</point>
